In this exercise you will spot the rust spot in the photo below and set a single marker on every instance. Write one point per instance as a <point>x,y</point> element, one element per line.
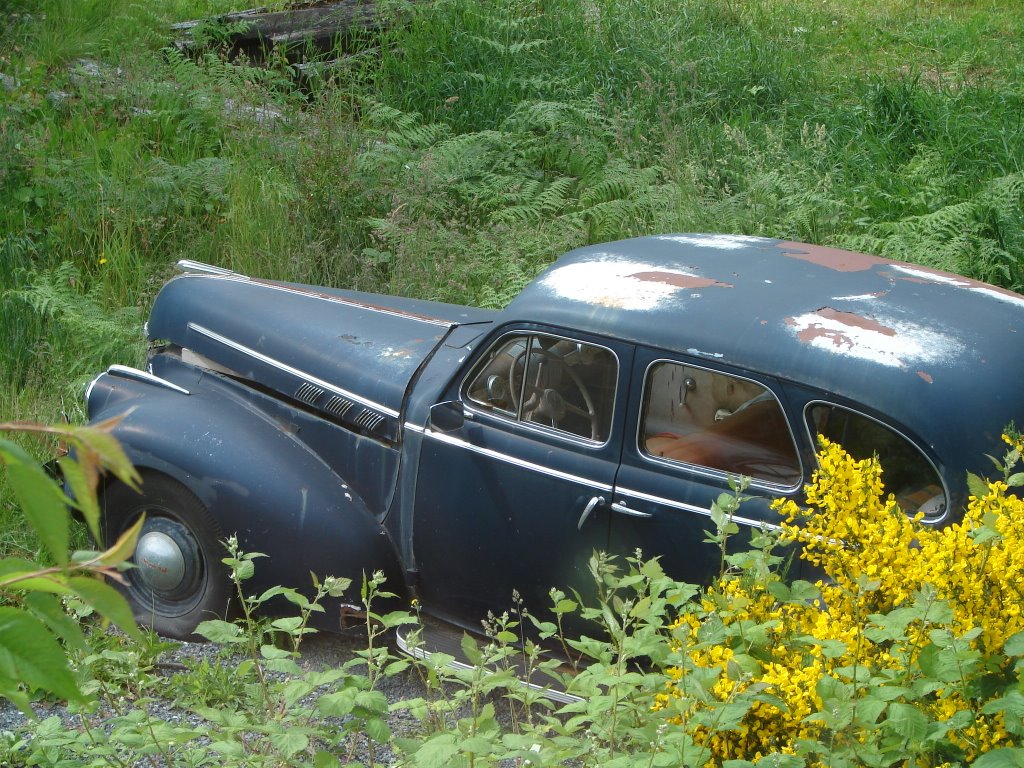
<point>838,336</point>
<point>925,376</point>
<point>678,280</point>
<point>832,258</point>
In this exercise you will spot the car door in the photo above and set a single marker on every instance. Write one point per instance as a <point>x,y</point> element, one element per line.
<point>692,426</point>
<point>505,499</point>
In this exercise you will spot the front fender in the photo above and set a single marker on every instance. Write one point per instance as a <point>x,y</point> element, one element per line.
<point>258,480</point>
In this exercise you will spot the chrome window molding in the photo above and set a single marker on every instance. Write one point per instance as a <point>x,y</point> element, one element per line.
<point>285,368</point>
<point>699,469</point>
<point>705,511</point>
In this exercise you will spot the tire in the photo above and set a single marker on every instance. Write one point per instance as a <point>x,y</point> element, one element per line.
<point>178,579</point>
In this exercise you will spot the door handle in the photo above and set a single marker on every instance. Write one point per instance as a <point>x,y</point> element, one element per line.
<point>591,505</point>
<point>622,509</point>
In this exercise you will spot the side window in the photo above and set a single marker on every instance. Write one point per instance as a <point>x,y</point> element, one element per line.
<point>566,385</point>
<point>906,472</point>
<point>710,419</point>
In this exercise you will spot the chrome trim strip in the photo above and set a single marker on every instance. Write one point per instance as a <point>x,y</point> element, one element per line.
<point>197,267</point>
<point>309,378</point>
<point>695,509</point>
<point>445,438</point>
<point>228,275</point>
<point>146,378</point>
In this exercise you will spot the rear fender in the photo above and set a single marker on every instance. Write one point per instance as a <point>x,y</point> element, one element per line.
<point>259,482</point>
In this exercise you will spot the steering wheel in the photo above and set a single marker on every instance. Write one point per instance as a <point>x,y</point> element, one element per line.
<point>548,402</point>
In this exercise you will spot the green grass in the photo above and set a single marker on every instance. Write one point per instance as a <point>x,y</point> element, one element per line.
<point>471,143</point>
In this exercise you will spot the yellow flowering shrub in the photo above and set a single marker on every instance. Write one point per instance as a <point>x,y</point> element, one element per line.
<point>905,646</point>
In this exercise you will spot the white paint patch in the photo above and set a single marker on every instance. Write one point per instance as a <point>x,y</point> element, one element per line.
<point>1006,297</point>
<point>893,344</point>
<point>859,297</point>
<point>722,242</point>
<point>697,352</point>
<point>611,284</point>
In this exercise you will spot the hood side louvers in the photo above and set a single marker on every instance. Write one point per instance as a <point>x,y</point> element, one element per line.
<point>309,393</point>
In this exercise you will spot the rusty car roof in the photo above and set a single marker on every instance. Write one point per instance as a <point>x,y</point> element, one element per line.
<point>880,332</point>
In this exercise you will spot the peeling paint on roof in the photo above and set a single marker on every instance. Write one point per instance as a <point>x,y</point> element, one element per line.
<point>723,242</point>
<point>850,334</point>
<point>699,353</point>
<point>861,296</point>
<point>832,258</point>
<point>623,284</point>
<point>678,279</point>
<point>924,274</point>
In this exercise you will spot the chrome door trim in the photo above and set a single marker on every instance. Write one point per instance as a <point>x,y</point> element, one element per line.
<point>705,511</point>
<point>285,368</point>
<point>515,461</point>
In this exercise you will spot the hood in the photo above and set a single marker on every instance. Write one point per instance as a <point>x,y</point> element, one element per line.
<point>346,354</point>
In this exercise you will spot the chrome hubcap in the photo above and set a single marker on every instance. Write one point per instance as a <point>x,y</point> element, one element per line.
<point>160,561</point>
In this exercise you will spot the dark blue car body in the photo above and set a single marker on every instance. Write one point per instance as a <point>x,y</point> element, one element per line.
<point>468,453</point>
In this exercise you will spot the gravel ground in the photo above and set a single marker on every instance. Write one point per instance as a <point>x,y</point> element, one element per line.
<point>320,651</point>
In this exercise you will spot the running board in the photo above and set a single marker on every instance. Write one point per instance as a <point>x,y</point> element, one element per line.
<point>438,637</point>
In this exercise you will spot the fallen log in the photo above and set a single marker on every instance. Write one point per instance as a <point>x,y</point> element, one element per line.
<point>303,28</point>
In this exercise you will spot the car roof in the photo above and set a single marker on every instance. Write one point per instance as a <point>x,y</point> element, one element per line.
<point>898,338</point>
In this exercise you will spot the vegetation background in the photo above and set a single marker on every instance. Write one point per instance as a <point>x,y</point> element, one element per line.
<point>455,154</point>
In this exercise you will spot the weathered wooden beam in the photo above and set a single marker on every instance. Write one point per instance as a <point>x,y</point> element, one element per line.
<point>318,24</point>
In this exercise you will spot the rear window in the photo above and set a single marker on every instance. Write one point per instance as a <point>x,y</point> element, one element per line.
<point>714,420</point>
<point>906,471</point>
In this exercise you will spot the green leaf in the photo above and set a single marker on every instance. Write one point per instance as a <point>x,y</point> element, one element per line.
<point>83,494</point>
<point>40,498</point>
<point>1004,757</point>
<point>49,610</point>
<point>377,729</point>
<point>289,741</point>
<point>325,760</point>
<point>976,486</point>
<point>437,752</point>
<point>217,631</point>
<point>1014,645</point>
<point>108,601</point>
<point>908,721</point>
<point>287,624</point>
<point>338,704</point>
<point>469,648</point>
<point>34,655</point>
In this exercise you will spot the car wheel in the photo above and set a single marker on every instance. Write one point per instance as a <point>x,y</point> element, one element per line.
<point>178,579</point>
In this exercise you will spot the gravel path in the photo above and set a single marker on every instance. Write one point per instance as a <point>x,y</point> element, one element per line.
<point>319,652</point>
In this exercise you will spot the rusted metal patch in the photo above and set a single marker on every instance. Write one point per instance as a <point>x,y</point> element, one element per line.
<point>679,280</point>
<point>613,282</point>
<point>892,344</point>
<point>832,258</point>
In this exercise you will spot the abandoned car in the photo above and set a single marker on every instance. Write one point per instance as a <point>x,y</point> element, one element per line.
<point>467,453</point>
